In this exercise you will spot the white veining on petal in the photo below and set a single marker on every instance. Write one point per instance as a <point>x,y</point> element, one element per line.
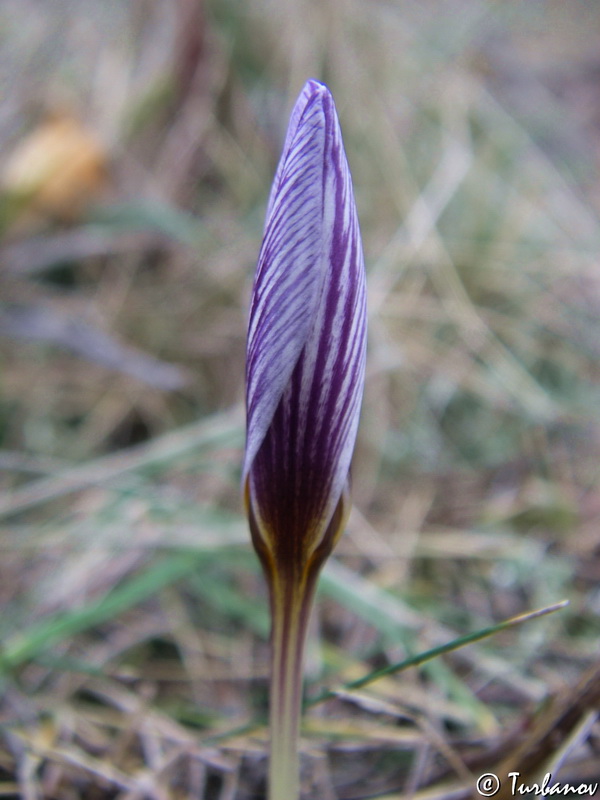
<point>331,392</point>
<point>310,87</point>
<point>307,335</point>
<point>290,267</point>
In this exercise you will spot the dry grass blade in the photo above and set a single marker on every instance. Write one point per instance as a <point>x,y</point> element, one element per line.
<point>112,467</point>
<point>51,326</point>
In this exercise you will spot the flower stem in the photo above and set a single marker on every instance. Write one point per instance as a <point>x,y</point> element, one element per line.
<point>290,608</point>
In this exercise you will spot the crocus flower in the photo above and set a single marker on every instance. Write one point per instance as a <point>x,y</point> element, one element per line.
<point>304,383</point>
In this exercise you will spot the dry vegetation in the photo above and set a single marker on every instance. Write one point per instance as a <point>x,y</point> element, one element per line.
<point>134,625</point>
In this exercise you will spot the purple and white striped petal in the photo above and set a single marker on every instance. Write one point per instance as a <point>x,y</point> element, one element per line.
<point>306,338</point>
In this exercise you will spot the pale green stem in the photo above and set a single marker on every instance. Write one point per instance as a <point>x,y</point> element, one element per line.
<point>290,608</point>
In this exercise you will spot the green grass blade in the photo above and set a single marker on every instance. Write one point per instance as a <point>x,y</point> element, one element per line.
<point>422,658</point>
<point>42,635</point>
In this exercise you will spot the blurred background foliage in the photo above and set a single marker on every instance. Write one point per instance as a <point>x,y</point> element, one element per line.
<point>138,143</point>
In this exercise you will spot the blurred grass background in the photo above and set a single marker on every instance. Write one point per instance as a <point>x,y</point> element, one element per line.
<point>138,144</point>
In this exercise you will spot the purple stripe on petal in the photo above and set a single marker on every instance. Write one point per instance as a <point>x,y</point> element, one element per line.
<point>311,88</point>
<point>307,335</point>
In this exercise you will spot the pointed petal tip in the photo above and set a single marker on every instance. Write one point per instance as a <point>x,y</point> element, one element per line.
<point>313,91</point>
<point>317,91</point>
<point>315,86</point>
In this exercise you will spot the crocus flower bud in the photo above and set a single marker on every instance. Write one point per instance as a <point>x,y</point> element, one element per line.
<point>304,384</point>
